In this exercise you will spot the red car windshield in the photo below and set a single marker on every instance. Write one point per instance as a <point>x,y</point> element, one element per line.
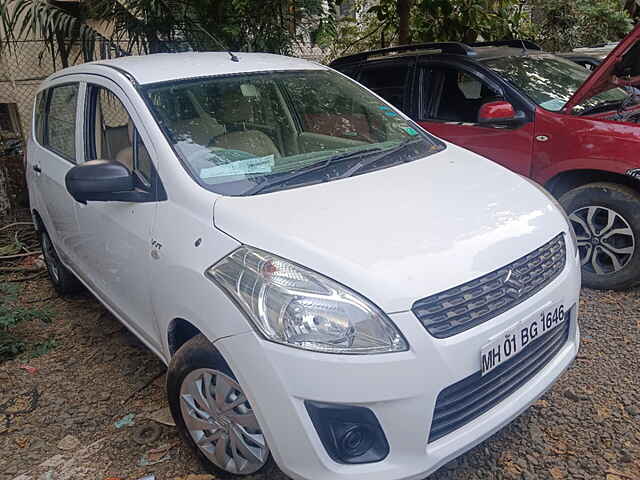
<point>551,81</point>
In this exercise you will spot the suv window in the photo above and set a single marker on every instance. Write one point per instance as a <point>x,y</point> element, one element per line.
<point>454,95</point>
<point>112,133</point>
<point>60,124</point>
<point>388,81</point>
<point>38,120</point>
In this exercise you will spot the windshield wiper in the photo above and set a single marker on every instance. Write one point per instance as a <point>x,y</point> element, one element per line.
<point>306,170</point>
<point>630,99</point>
<point>601,106</point>
<point>364,163</point>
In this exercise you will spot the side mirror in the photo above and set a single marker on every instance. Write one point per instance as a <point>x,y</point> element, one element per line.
<point>500,113</point>
<point>102,181</point>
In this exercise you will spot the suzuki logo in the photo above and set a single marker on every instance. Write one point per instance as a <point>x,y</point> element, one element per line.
<point>515,288</point>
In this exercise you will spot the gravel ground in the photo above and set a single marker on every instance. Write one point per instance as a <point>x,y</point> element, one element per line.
<point>586,427</point>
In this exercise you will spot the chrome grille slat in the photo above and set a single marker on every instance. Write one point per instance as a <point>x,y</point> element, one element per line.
<point>470,304</point>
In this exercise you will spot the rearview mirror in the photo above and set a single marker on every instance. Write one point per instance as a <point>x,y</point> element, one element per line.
<point>101,180</point>
<point>500,113</point>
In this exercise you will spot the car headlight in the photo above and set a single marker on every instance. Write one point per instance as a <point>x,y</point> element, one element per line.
<point>555,201</point>
<point>292,305</point>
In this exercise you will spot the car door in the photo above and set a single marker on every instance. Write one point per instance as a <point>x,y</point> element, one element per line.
<point>450,99</point>
<point>51,154</point>
<point>115,236</point>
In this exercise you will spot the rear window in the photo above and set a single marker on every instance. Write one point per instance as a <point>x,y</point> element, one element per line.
<point>38,118</point>
<point>388,81</point>
<point>60,121</point>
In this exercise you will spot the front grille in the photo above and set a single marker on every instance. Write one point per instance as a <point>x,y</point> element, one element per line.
<point>469,398</point>
<point>470,304</point>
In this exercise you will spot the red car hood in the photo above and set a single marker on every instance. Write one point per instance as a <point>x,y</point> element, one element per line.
<point>621,68</point>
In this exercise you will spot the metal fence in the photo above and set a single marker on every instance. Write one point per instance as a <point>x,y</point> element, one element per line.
<point>23,66</point>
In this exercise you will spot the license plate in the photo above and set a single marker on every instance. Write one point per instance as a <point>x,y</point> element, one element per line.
<point>511,342</point>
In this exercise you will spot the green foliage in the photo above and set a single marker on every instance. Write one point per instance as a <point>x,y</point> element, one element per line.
<point>167,25</point>
<point>366,28</point>
<point>567,25</point>
<point>465,20</point>
<point>42,348</point>
<point>430,21</point>
<point>556,25</point>
<point>10,316</point>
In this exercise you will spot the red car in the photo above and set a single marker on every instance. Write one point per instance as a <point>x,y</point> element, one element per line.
<point>542,116</point>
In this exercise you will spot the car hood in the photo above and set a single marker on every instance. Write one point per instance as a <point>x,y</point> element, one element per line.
<point>621,68</point>
<point>402,233</point>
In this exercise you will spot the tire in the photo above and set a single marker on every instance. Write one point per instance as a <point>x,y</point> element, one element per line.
<point>63,280</point>
<point>197,362</point>
<point>606,219</point>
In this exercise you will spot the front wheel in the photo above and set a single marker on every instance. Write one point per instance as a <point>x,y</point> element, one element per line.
<point>606,219</point>
<point>63,280</point>
<point>212,412</point>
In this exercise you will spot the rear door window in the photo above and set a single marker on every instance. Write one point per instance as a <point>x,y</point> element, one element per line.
<point>60,125</point>
<point>38,119</point>
<point>389,81</point>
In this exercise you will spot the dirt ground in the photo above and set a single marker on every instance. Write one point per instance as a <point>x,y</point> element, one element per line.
<point>58,421</point>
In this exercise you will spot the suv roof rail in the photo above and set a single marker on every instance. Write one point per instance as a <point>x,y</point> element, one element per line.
<point>445,47</point>
<point>517,43</point>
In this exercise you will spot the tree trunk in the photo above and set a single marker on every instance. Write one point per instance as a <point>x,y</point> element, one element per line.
<point>404,7</point>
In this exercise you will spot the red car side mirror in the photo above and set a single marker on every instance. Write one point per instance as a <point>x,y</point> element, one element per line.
<point>496,111</point>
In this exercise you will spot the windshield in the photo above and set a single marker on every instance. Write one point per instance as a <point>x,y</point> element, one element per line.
<point>237,133</point>
<point>551,81</point>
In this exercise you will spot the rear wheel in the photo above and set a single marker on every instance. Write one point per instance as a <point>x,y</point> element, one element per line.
<point>212,412</point>
<point>606,219</point>
<point>63,280</point>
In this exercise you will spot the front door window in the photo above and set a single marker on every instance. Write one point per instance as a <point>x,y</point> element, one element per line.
<point>113,136</point>
<point>455,95</point>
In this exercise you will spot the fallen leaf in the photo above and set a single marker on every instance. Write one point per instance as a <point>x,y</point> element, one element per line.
<point>157,453</point>
<point>22,442</point>
<point>617,475</point>
<point>162,416</point>
<point>556,473</point>
<point>69,443</point>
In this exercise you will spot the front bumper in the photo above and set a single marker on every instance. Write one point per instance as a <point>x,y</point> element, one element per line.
<point>400,388</point>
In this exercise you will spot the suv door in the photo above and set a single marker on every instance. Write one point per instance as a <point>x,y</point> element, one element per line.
<point>52,152</point>
<point>449,100</point>
<point>115,237</point>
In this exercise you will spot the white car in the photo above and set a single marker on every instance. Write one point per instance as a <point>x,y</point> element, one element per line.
<point>331,287</point>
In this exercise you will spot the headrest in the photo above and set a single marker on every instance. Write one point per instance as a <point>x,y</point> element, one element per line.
<point>236,108</point>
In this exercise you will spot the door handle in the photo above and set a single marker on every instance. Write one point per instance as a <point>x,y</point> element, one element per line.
<point>37,169</point>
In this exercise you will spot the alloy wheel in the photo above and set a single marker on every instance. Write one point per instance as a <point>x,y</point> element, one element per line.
<point>605,239</point>
<point>221,422</point>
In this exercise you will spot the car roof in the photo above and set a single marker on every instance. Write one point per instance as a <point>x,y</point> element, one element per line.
<point>473,51</point>
<point>163,67</point>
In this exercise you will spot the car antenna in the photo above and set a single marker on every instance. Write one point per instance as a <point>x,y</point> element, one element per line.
<point>524,47</point>
<point>215,39</point>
